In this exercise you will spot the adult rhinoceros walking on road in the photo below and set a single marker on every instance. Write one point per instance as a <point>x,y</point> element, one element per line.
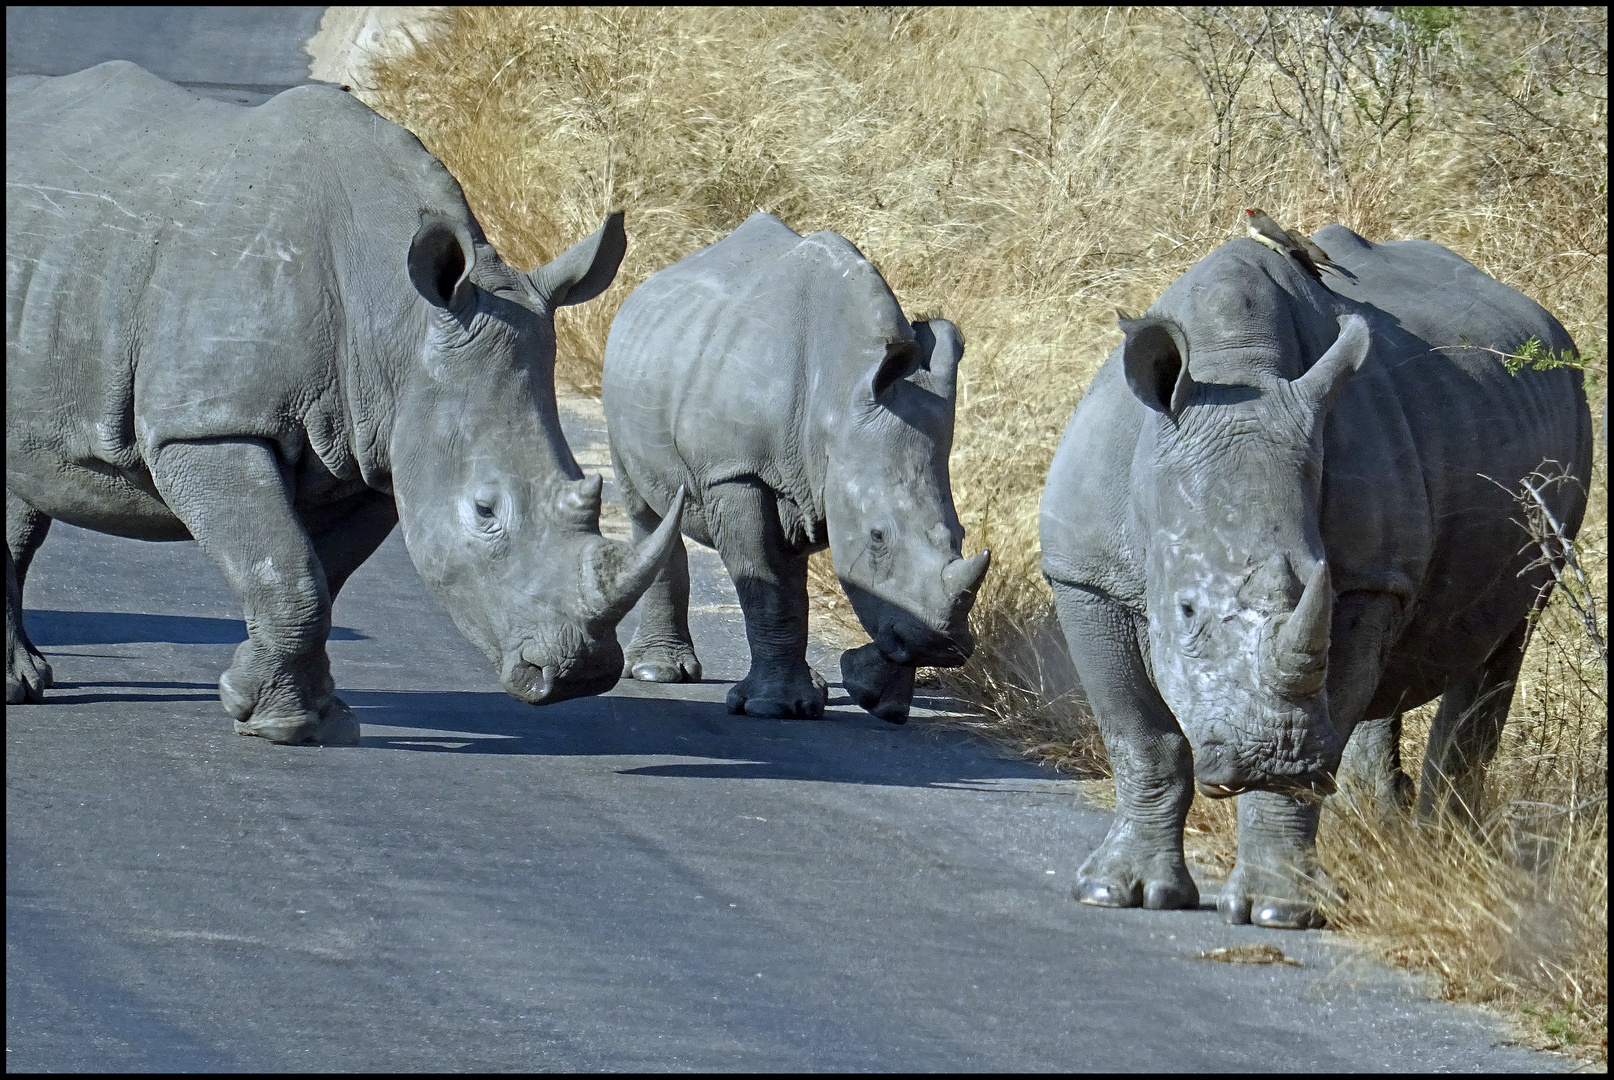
<point>279,330</point>
<point>1267,531</point>
<point>775,377</point>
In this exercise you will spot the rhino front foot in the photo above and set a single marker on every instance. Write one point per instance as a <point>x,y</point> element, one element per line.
<point>801,695</point>
<point>664,663</point>
<point>882,688</point>
<point>1279,899</point>
<point>1128,872</point>
<point>264,699</point>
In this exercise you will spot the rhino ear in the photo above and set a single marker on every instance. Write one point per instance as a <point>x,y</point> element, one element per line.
<point>941,347</point>
<point>1318,387</point>
<point>441,258</point>
<point>901,359</point>
<point>585,269</point>
<point>1155,357</point>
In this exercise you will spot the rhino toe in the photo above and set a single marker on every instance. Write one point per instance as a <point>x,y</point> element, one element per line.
<point>800,697</point>
<point>335,727</point>
<point>665,665</point>
<point>28,674</point>
<point>27,679</point>
<point>1107,893</point>
<point>1277,900</point>
<point>1135,870</point>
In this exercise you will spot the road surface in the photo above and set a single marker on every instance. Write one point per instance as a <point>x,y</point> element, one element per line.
<point>633,881</point>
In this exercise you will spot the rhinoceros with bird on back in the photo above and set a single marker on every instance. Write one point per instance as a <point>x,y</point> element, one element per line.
<point>1280,517</point>
<point>280,330</point>
<point>775,377</point>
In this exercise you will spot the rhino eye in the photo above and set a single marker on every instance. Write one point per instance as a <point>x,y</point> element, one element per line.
<point>486,500</point>
<point>877,536</point>
<point>1187,610</point>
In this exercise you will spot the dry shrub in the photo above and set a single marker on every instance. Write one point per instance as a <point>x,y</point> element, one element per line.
<point>1024,173</point>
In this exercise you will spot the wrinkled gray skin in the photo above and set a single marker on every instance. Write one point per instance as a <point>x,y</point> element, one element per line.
<point>776,379</point>
<point>1286,542</point>
<point>279,330</point>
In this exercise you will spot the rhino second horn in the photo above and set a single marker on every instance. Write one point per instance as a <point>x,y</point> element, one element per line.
<point>633,575</point>
<point>965,575</point>
<point>1301,649</point>
<point>582,498</point>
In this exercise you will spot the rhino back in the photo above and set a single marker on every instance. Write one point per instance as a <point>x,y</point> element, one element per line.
<point>180,268</point>
<point>717,366</point>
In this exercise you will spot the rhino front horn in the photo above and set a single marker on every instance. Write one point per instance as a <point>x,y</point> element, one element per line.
<point>1300,652</point>
<point>965,575</point>
<point>633,576</point>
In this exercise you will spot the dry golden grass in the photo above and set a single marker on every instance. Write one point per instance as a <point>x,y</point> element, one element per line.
<point>1024,173</point>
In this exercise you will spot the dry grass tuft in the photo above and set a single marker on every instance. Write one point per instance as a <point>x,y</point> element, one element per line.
<point>1024,173</point>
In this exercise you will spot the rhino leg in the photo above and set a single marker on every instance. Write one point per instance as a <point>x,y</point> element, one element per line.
<point>662,649</point>
<point>1365,625</point>
<point>1466,732</point>
<point>1276,881</point>
<point>28,674</point>
<point>344,545</point>
<point>1371,768</point>
<point>771,579</point>
<point>234,499</point>
<point>1140,863</point>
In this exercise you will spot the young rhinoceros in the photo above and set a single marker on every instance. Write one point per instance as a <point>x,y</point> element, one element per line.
<point>280,330</point>
<point>775,378</point>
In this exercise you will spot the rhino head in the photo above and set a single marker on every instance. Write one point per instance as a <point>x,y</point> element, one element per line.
<point>1227,490</point>
<point>499,520</point>
<point>893,532</point>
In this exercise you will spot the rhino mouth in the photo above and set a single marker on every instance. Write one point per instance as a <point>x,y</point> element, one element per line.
<point>1220,772</point>
<point>1317,783</point>
<point>909,646</point>
<point>540,682</point>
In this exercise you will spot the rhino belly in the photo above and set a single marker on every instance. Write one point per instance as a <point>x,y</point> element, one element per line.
<point>92,494</point>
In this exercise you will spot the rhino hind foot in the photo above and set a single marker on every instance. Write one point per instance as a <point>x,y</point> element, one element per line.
<point>664,664</point>
<point>28,676</point>
<point>792,698</point>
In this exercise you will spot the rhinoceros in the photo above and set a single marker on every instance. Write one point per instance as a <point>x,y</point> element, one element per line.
<point>1279,518</point>
<point>279,330</point>
<point>775,378</point>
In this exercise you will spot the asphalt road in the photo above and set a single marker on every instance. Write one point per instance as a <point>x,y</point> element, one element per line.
<point>634,881</point>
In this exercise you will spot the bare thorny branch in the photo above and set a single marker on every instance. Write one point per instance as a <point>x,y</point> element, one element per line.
<point>1556,547</point>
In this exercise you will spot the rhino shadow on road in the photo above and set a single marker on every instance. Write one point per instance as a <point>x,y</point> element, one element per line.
<point>123,628</point>
<point>199,692</point>
<point>853,750</point>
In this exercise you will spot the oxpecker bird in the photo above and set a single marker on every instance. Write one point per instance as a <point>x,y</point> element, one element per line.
<point>1264,230</point>
<point>1318,255</point>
